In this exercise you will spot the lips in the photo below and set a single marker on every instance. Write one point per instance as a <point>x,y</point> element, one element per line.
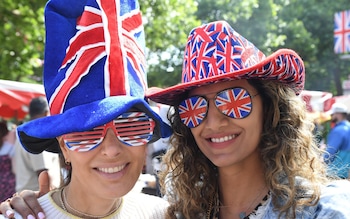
<point>112,169</point>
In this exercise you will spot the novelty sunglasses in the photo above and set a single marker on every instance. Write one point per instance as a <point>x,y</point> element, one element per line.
<point>131,128</point>
<point>233,102</point>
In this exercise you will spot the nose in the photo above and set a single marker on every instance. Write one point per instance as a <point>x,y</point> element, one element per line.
<point>215,119</point>
<point>111,146</point>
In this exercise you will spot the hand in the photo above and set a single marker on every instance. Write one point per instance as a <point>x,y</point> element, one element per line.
<point>26,203</point>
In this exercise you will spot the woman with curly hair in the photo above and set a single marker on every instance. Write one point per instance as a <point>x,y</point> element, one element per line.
<point>243,146</point>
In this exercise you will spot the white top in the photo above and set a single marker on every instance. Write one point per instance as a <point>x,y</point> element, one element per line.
<point>27,165</point>
<point>134,206</point>
<point>7,149</point>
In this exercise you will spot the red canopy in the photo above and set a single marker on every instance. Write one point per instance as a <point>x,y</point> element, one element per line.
<point>16,96</point>
<point>315,100</point>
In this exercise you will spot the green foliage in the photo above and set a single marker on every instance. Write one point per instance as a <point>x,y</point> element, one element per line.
<point>167,24</point>
<point>22,40</point>
<point>303,25</point>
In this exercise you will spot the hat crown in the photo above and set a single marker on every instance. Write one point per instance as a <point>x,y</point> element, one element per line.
<point>94,50</point>
<point>94,70</point>
<point>215,52</point>
<point>216,49</point>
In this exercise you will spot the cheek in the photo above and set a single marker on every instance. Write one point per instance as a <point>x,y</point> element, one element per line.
<point>195,131</point>
<point>139,153</point>
<point>81,159</point>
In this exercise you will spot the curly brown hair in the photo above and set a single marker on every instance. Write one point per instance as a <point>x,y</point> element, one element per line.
<point>288,150</point>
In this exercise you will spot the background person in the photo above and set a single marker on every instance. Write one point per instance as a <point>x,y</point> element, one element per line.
<point>242,145</point>
<point>157,150</point>
<point>338,142</point>
<point>29,165</point>
<point>7,176</point>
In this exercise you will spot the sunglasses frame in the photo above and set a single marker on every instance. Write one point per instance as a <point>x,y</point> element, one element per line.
<point>207,100</point>
<point>86,137</point>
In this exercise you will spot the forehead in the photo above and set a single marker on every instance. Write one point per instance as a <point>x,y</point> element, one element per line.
<point>214,88</point>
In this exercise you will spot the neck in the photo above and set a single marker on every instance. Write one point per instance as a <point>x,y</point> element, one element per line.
<point>241,189</point>
<point>79,206</point>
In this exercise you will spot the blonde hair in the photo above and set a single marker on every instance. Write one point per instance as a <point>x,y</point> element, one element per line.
<point>288,150</point>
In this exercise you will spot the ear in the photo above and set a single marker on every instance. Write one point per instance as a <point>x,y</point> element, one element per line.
<point>64,149</point>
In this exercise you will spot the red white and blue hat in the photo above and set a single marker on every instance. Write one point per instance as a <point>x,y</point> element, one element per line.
<point>94,69</point>
<point>216,52</point>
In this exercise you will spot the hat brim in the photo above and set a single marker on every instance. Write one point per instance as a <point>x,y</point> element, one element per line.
<point>278,67</point>
<point>40,134</point>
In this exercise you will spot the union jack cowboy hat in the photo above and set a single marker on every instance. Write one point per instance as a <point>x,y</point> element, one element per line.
<point>94,70</point>
<point>216,52</point>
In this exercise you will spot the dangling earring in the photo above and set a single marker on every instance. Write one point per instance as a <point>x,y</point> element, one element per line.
<point>68,165</point>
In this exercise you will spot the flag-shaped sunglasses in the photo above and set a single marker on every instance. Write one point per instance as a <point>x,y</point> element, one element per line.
<point>131,128</point>
<point>234,102</point>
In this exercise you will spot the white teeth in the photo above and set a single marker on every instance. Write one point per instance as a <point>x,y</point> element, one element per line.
<point>111,169</point>
<point>223,139</point>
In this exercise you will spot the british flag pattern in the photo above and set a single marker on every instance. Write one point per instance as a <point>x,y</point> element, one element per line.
<point>99,38</point>
<point>94,71</point>
<point>216,52</point>
<point>342,32</point>
<point>193,110</point>
<point>235,103</point>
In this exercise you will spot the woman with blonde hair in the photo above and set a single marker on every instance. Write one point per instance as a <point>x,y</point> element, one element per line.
<point>95,83</point>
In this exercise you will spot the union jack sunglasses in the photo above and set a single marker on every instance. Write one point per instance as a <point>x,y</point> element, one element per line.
<point>131,128</point>
<point>233,102</point>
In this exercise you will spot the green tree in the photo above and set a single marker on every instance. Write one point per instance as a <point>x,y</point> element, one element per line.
<point>303,25</point>
<point>21,40</point>
<point>325,70</point>
<point>166,25</point>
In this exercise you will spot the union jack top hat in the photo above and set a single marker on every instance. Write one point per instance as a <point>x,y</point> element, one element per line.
<point>216,52</point>
<point>94,69</point>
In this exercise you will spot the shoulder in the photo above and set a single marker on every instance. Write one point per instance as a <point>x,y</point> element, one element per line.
<point>334,203</point>
<point>141,200</point>
<point>337,189</point>
<point>44,201</point>
<point>140,205</point>
<point>335,200</point>
<point>341,126</point>
<point>51,209</point>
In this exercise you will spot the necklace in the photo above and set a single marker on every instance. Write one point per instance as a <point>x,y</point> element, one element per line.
<point>64,203</point>
<point>242,214</point>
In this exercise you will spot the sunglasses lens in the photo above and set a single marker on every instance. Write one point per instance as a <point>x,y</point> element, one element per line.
<point>192,111</point>
<point>134,128</point>
<point>235,103</point>
<point>131,128</point>
<point>84,141</point>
